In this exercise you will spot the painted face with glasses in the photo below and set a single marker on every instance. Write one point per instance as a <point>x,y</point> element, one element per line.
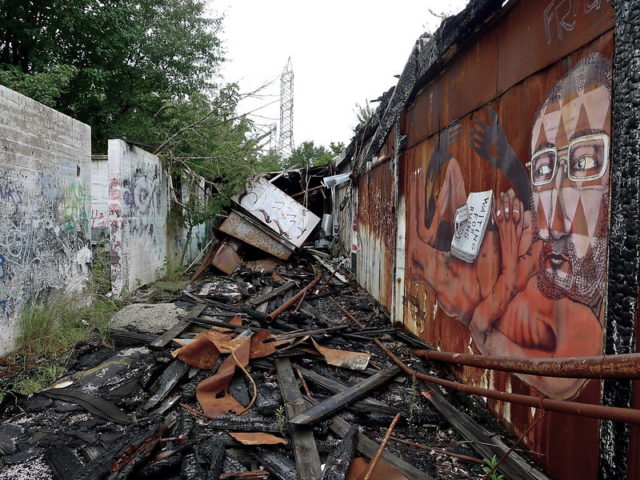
<point>570,177</point>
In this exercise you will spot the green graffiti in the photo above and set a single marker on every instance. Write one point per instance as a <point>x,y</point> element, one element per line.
<point>74,208</point>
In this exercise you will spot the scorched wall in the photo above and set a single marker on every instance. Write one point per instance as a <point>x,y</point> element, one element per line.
<point>495,228</point>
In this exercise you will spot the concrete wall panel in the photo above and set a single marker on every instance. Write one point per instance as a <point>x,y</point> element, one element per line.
<point>138,203</point>
<point>44,206</point>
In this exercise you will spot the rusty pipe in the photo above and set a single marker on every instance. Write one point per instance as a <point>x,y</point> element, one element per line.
<point>600,366</point>
<point>630,415</point>
<point>289,303</point>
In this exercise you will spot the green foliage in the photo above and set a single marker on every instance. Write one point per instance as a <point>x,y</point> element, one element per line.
<point>171,277</point>
<point>37,378</point>
<point>364,113</point>
<point>53,326</point>
<point>46,87</point>
<point>280,418</point>
<point>122,59</point>
<point>309,155</point>
<point>490,466</point>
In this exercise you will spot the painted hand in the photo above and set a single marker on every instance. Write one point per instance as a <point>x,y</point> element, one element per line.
<point>518,252</point>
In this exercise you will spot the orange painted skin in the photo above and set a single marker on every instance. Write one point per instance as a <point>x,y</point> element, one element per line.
<point>537,286</point>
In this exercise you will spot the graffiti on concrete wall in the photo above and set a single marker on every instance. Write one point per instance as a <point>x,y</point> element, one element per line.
<point>536,286</point>
<point>137,206</point>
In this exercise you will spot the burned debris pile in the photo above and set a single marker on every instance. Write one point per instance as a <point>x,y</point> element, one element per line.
<point>262,375</point>
<point>272,371</point>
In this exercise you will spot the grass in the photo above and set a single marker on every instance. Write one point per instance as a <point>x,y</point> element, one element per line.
<point>53,326</point>
<point>48,332</point>
<point>171,277</point>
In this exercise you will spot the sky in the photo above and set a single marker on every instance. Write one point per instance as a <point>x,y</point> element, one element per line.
<point>343,52</point>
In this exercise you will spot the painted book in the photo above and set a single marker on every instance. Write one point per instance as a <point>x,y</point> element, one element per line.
<point>470,225</point>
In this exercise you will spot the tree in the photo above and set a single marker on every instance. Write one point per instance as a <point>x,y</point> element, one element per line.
<point>308,154</point>
<point>112,63</point>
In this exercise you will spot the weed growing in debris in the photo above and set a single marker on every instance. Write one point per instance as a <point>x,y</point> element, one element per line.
<point>53,326</point>
<point>413,403</point>
<point>171,277</point>
<point>48,332</point>
<point>280,418</point>
<point>490,466</point>
<point>101,268</point>
<point>38,377</point>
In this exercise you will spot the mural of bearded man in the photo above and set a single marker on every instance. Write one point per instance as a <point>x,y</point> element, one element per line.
<point>549,233</point>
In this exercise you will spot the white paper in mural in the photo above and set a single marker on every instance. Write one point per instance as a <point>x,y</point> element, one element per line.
<point>277,210</point>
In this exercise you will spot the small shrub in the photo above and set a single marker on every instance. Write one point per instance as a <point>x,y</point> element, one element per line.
<point>490,466</point>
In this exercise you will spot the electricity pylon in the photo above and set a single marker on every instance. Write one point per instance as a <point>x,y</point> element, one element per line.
<point>285,143</point>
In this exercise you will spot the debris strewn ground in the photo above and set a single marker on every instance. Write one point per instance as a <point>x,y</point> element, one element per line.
<point>252,375</point>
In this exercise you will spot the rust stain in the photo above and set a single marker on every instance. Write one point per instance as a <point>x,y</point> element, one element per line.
<point>240,227</point>
<point>376,232</point>
<point>441,311</point>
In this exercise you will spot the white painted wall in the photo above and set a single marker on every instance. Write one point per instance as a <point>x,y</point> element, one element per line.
<point>99,196</point>
<point>44,206</point>
<point>138,206</point>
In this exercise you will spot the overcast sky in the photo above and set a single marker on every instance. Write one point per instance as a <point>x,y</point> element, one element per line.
<point>343,52</point>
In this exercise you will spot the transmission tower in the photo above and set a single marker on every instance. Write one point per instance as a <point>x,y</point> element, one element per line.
<point>285,143</point>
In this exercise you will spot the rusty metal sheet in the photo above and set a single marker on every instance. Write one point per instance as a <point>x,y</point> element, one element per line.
<point>241,227</point>
<point>383,470</point>
<point>343,358</point>
<point>277,210</point>
<point>201,352</point>
<point>535,34</point>
<point>376,232</point>
<point>226,258</point>
<point>445,299</point>
<point>470,80</point>
<point>422,118</point>
<point>258,438</point>
<point>213,392</point>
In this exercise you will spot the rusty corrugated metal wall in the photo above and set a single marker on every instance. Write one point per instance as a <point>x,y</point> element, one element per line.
<point>375,232</point>
<point>525,107</point>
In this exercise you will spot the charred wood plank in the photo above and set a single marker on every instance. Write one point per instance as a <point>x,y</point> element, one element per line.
<point>213,452</point>
<point>277,465</point>
<point>243,423</point>
<point>266,296</point>
<point>125,338</point>
<point>178,328</point>
<point>368,447</point>
<point>338,463</point>
<point>340,400</point>
<point>191,468</point>
<point>305,449</point>
<point>336,387</point>
<point>63,462</point>
<point>263,306</point>
<point>95,405</point>
<point>487,444</point>
<point>165,382</point>
<point>317,331</point>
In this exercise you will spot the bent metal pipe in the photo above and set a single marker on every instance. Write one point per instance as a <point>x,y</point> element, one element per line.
<point>600,366</point>
<point>630,415</point>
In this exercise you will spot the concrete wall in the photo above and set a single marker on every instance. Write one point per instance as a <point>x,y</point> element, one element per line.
<point>147,228</point>
<point>99,197</point>
<point>44,206</point>
<point>138,203</point>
